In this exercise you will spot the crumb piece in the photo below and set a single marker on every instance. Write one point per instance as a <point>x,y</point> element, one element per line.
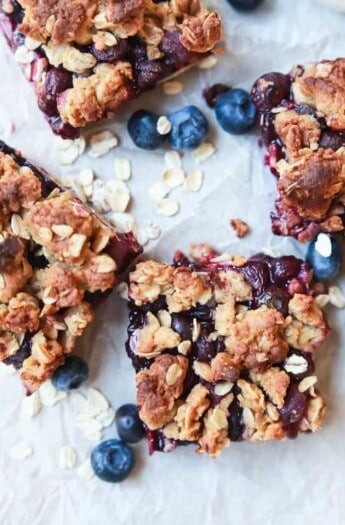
<point>240,227</point>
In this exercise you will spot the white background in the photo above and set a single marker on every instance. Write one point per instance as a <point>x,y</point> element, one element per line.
<point>300,481</point>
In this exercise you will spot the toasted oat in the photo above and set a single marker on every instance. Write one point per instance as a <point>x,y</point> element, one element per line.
<point>173,87</point>
<point>101,143</point>
<point>123,168</point>
<point>208,62</point>
<point>203,152</point>
<point>163,125</point>
<point>194,180</point>
<point>167,207</point>
<point>173,159</point>
<point>174,177</point>
<point>158,191</point>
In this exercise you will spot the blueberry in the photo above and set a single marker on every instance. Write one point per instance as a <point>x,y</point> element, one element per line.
<point>235,111</point>
<point>142,127</point>
<point>189,128</point>
<point>245,5</point>
<point>270,89</point>
<point>323,255</point>
<point>112,460</point>
<point>129,426</point>
<point>71,374</point>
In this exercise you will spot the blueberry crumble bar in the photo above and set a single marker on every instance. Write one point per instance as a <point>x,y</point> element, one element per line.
<point>223,349</point>
<point>87,57</point>
<point>58,262</point>
<point>303,127</point>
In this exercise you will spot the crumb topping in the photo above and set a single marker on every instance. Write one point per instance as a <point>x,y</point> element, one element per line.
<point>312,182</point>
<point>239,358</point>
<point>321,86</point>
<point>43,308</point>
<point>297,132</point>
<point>158,389</point>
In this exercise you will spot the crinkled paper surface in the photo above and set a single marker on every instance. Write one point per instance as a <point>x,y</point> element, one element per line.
<point>300,481</point>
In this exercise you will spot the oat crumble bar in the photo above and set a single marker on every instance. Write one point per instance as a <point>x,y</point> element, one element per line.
<point>87,57</point>
<point>302,118</point>
<point>58,261</point>
<point>223,349</point>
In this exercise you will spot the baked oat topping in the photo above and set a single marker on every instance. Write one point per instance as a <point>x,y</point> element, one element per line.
<point>93,56</point>
<point>303,129</point>
<point>224,351</point>
<point>57,259</point>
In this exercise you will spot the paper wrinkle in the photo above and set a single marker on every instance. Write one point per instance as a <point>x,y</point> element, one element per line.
<point>300,481</point>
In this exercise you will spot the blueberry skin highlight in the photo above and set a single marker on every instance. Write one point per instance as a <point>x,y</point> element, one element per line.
<point>71,374</point>
<point>112,460</point>
<point>245,5</point>
<point>189,128</point>
<point>128,423</point>
<point>325,268</point>
<point>235,111</point>
<point>142,128</point>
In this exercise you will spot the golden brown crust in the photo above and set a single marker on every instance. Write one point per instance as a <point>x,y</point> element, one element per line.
<point>312,182</point>
<point>46,306</point>
<point>297,132</point>
<point>321,86</point>
<point>250,359</point>
<point>201,33</point>
<point>157,392</point>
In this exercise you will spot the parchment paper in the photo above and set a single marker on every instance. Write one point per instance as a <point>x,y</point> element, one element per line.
<point>291,482</point>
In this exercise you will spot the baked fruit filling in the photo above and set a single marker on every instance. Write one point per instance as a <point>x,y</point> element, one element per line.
<point>87,57</point>
<point>302,119</point>
<point>58,261</point>
<point>223,349</point>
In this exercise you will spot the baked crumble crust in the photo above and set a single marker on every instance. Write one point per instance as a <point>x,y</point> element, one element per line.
<point>112,51</point>
<point>53,251</point>
<point>321,86</point>
<point>304,134</point>
<point>242,360</point>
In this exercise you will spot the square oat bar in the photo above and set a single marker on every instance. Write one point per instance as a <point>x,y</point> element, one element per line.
<point>302,119</point>
<point>223,349</point>
<point>58,261</point>
<point>87,57</point>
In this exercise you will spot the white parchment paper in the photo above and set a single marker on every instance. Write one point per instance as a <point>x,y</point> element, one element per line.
<point>291,482</point>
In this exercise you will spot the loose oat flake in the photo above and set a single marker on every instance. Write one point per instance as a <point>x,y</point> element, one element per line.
<point>203,152</point>
<point>174,177</point>
<point>67,457</point>
<point>101,143</point>
<point>85,472</point>
<point>194,180</point>
<point>173,159</point>
<point>123,169</point>
<point>163,125</point>
<point>158,191</point>
<point>167,207</point>
<point>32,405</point>
<point>173,87</point>
<point>21,451</point>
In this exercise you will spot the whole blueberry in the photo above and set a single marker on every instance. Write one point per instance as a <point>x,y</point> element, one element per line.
<point>71,374</point>
<point>235,111</point>
<point>324,256</point>
<point>245,5</point>
<point>142,127</point>
<point>112,460</point>
<point>189,128</point>
<point>129,426</point>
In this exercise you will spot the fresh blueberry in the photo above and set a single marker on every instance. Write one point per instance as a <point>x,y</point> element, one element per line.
<point>129,426</point>
<point>112,460</point>
<point>235,111</point>
<point>71,374</point>
<point>189,128</point>
<point>245,5</point>
<point>323,255</point>
<point>142,127</point>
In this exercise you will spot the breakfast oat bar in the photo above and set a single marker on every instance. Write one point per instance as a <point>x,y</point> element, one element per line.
<point>58,261</point>
<point>223,349</point>
<point>302,118</point>
<point>88,57</point>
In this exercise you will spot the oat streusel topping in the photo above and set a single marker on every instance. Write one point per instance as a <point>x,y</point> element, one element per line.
<point>51,255</point>
<point>220,364</point>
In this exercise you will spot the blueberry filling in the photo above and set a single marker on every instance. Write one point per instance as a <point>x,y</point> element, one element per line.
<point>19,357</point>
